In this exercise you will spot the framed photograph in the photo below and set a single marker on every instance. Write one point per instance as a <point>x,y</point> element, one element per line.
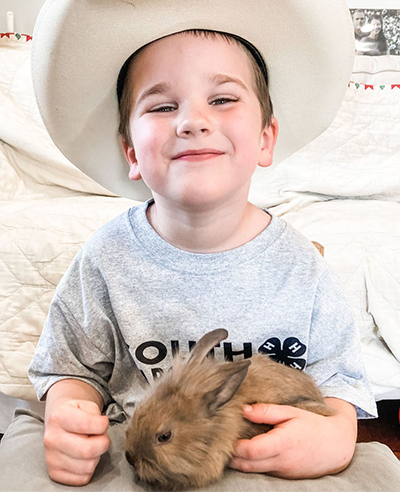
<point>376,31</point>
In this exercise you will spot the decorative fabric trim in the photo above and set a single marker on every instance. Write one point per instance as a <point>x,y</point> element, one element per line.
<point>16,35</point>
<point>365,87</point>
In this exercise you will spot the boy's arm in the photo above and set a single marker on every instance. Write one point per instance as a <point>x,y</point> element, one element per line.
<point>71,389</point>
<point>75,434</point>
<point>302,444</point>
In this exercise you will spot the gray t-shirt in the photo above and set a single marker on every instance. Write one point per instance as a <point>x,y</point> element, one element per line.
<point>130,301</point>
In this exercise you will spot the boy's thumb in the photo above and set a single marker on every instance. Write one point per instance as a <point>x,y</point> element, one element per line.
<point>268,413</point>
<point>101,422</point>
<point>88,406</point>
<point>84,417</point>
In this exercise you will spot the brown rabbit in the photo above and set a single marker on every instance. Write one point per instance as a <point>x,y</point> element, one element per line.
<point>183,433</point>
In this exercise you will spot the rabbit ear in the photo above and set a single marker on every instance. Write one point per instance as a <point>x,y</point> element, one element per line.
<point>233,373</point>
<point>205,344</point>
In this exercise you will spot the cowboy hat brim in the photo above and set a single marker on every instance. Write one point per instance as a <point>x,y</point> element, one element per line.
<point>80,46</point>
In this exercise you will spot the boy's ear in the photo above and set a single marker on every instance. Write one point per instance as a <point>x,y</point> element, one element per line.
<point>130,156</point>
<point>268,141</point>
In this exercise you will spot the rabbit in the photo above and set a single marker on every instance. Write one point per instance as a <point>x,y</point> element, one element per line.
<point>182,434</point>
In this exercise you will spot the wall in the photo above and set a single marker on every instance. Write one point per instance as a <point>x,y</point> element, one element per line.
<point>25,13</point>
<point>373,4</point>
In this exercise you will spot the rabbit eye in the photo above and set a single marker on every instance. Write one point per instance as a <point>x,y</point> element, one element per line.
<point>163,437</point>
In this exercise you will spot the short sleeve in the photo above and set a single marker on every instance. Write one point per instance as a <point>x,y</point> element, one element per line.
<point>81,340</point>
<point>65,351</point>
<point>335,358</point>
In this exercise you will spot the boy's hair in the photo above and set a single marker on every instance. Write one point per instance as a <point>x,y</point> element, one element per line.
<point>260,81</point>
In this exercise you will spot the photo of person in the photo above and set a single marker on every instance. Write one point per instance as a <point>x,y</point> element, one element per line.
<point>376,31</point>
<point>358,21</point>
<point>375,43</point>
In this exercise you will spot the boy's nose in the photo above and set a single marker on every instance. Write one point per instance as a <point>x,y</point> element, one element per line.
<point>193,122</point>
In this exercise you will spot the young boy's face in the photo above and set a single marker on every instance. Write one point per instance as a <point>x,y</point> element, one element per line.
<point>196,121</point>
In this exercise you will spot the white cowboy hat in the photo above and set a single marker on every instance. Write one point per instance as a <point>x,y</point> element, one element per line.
<point>79,47</point>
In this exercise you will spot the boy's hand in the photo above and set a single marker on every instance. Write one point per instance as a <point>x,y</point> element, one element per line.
<point>74,439</point>
<point>302,444</point>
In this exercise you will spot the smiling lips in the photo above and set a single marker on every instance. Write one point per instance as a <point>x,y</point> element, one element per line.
<point>197,155</point>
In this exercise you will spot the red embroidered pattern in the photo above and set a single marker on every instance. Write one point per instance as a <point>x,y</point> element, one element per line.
<point>364,87</point>
<point>16,35</point>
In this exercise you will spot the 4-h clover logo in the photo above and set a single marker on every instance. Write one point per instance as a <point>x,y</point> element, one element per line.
<point>290,353</point>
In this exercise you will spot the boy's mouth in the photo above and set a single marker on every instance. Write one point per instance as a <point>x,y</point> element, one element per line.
<point>200,154</point>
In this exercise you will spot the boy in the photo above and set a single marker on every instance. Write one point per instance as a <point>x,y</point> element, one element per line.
<point>197,256</point>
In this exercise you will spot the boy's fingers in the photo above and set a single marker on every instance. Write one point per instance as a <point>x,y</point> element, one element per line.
<point>67,478</point>
<point>261,447</point>
<point>72,465</point>
<point>264,446</point>
<point>80,421</point>
<point>251,466</point>
<point>86,405</point>
<point>263,413</point>
<point>82,447</point>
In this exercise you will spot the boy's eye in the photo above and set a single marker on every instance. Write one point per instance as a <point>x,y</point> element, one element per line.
<point>216,102</point>
<point>223,100</point>
<point>161,109</point>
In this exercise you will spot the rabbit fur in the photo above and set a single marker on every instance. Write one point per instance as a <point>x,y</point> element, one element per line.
<point>182,434</point>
